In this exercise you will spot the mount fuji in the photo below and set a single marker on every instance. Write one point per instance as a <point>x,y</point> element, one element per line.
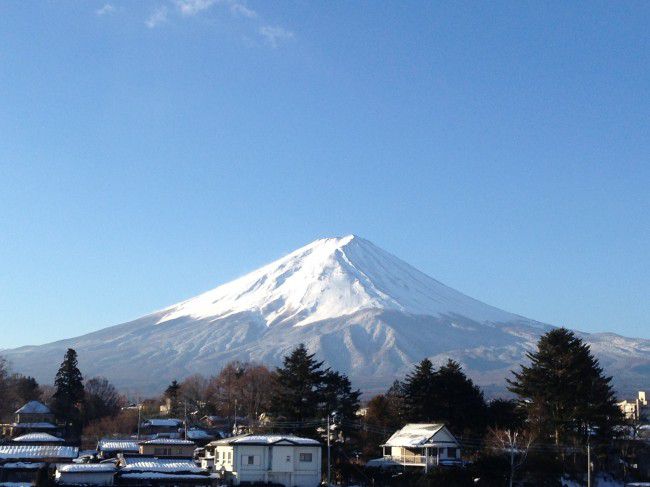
<point>360,309</point>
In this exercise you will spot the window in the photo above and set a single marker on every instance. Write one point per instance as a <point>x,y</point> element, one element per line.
<point>305,457</point>
<point>250,459</point>
<point>288,458</point>
<point>451,452</point>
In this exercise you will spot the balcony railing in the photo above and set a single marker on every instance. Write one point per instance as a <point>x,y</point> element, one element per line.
<point>409,459</point>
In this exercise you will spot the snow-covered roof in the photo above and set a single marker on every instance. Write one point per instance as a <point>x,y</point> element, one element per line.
<point>34,407</point>
<point>37,451</point>
<point>38,438</point>
<point>160,475</point>
<point>421,434</point>
<point>23,465</point>
<point>166,441</point>
<point>15,484</point>
<point>171,422</point>
<point>114,444</point>
<point>41,426</point>
<point>160,465</point>
<point>198,435</point>
<point>266,440</point>
<point>86,467</point>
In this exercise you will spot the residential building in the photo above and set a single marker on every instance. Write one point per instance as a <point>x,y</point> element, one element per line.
<point>169,427</point>
<point>287,460</point>
<point>85,474</point>
<point>112,447</point>
<point>26,463</point>
<point>637,409</point>
<point>422,445</point>
<point>33,417</point>
<point>167,447</point>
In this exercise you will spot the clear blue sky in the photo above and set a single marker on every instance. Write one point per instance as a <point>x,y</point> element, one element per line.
<point>152,150</point>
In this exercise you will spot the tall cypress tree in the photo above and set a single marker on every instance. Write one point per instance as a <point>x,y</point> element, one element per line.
<point>172,393</point>
<point>564,391</point>
<point>69,395</point>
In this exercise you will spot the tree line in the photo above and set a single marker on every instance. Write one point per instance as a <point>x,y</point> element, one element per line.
<point>560,401</point>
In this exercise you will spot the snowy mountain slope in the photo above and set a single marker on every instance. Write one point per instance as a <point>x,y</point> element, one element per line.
<point>334,277</point>
<point>362,310</point>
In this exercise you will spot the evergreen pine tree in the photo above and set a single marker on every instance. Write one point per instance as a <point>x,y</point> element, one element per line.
<point>69,395</point>
<point>445,395</point>
<point>417,392</point>
<point>299,382</point>
<point>458,401</point>
<point>563,390</point>
<point>339,400</point>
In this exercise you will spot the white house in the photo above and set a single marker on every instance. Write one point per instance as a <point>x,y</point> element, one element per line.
<point>85,474</point>
<point>422,445</point>
<point>288,460</point>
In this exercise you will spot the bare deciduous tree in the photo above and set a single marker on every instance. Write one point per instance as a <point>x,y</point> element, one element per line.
<point>513,443</point>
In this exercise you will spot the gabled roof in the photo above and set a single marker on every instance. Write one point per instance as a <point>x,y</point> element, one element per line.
<point>38,452</point>
<point>116,444</point>
<point>40,426</point>
<point>160,465</point>
<point>34,407</point>
<point>170,422</point>
<point>421,435</point>
<point>86,468</point>
<point>166,441</point>
<point>250,439</point>
<point>38,438</point>
<point>196,434</point>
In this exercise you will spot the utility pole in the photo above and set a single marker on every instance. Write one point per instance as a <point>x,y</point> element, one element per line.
<point>588,462</point>
<point>185,417</point>
<point>329,474</point>
<point>234,427</point>
<point>139,417</point>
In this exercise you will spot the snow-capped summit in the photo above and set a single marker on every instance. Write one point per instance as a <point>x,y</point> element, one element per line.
<point>333,277</point>
<point>357,307</point>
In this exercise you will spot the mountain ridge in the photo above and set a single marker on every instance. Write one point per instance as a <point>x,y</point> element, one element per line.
<point>362,310</point>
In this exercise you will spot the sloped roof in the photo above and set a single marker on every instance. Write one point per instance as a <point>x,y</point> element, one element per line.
<point>40,426</point>
<point>23,465</point>
<point>160,465</point>
<point>37,451</point>
<point>166,441</point>
<point>171,422</point>
<point>421,434</point>
<point>198,435</point>
<point>86,467</point>
<point>250,439</point>
<point>34,407</point>
<point>115,444</point>
<point>38,438</point>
